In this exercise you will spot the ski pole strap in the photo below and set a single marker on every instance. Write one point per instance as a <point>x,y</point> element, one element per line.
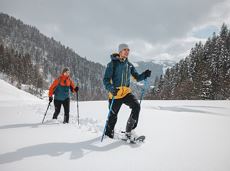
<point>106,123</point>
<point>144,89</point>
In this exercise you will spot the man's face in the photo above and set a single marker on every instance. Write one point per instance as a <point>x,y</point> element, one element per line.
<point>124,53</point>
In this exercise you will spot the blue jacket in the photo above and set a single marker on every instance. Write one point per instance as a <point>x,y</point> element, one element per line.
<point>117,75</point>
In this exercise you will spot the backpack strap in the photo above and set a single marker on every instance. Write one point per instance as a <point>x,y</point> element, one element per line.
<point>59,80</point>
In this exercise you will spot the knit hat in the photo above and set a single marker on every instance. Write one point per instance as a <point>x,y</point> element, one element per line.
<point>65,70</point>
<point>122,46</point>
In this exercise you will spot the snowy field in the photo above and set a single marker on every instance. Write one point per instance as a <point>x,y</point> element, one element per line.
<point>180,136</point>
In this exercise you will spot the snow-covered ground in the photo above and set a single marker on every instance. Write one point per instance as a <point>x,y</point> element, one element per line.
<point>180,136</point>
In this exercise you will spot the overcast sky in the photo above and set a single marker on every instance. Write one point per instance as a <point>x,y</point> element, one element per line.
<point>154,29</point>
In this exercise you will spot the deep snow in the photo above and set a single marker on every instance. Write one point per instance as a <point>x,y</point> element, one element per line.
<point>180,136</point>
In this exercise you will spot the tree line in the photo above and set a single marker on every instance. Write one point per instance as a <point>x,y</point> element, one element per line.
<point>203,74</point>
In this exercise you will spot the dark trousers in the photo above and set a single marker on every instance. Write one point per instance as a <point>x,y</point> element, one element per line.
<point>66,105</point>
<point>131,101</point>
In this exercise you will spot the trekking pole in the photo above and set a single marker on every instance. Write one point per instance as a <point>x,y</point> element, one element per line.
<point>46,112</point>
<point>110,109</point>
<point>143,90</point>
<point>78,115</point>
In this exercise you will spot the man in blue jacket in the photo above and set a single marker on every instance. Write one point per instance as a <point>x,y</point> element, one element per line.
<point>117,82</point>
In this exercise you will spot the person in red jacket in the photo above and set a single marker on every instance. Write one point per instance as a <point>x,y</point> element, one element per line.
<point>61,88</point>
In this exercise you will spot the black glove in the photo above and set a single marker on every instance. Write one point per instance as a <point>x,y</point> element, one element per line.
<point>50,99</point>
<point>76,88</point>
<point>114,92</point>
<point>147,73</point>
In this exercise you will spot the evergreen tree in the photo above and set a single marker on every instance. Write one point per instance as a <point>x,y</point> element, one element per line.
<point>204,74</point>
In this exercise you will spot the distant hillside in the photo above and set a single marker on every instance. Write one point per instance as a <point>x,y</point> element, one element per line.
<point>157,67</point>
<point>50,56</point>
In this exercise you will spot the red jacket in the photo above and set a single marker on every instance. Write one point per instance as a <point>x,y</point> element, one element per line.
<point>64,81</point>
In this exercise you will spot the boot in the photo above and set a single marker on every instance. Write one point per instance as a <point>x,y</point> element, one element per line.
<point>66,119</point>
<point>109,132</point>
<point>130,124</point>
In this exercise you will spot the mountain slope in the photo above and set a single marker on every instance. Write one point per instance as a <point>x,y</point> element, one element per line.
<point>157,70</point>
<point>10,93</point>
<point>51,56</point>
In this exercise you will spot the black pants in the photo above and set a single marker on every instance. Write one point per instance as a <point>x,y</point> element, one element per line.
<point>131,101</point>
<point>65,103</point>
